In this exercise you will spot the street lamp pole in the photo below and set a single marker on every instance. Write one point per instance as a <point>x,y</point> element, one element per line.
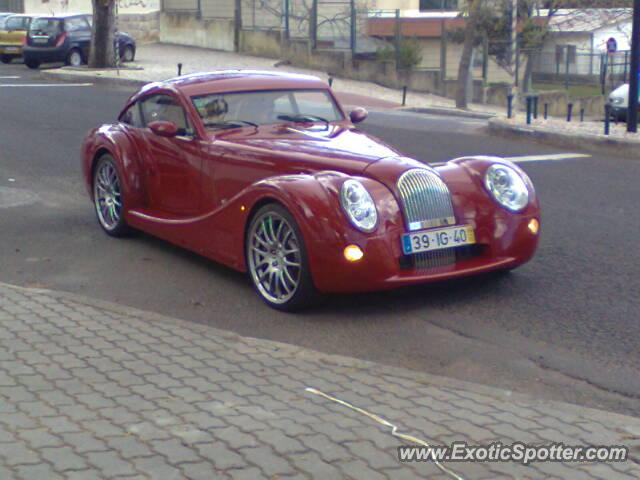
<point>632,110</point>
<point>514,50</point>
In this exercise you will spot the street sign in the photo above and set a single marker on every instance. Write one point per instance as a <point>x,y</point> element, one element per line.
<point>612,45</point>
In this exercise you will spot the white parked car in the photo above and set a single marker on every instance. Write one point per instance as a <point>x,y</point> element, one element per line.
<point>619,101</point>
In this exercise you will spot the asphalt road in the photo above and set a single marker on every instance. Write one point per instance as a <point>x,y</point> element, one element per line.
<point>564,326</point>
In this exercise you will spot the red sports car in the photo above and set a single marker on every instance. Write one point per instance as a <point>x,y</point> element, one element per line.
<point>265,173</point>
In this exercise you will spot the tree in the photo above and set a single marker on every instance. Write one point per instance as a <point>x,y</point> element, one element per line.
<point>493,22</point>
<point>464,68</point>
<point>101,54</point>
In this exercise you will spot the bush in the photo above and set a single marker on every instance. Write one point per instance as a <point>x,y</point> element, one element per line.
<point>409,53</point>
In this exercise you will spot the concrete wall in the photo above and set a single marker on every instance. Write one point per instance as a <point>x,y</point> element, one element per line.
<point>262,43</point>
<point>185,29</point>
<point>55,7</point>
<point>144,27</point>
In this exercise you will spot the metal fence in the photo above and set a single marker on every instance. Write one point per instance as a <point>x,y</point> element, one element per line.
<point>328,24</point>
<point>568,62</point>
<point>207,9</point>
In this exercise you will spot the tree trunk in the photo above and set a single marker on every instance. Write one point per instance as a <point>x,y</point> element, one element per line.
<point>464,68</point>
<point>101,54</point>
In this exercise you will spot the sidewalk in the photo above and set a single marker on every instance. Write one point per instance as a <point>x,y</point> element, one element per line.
<point>93,390</point>
<point>155,62</point>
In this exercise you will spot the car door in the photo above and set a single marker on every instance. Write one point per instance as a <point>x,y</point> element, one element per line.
<point>173,165</point>
<point>79,31</point>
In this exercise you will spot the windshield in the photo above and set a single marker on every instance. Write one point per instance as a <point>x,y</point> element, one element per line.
<point>46,26</point>
<point>229,110</point>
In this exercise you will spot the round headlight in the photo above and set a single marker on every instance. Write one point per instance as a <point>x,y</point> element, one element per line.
<point>507,187</point>
<point>358,205</point>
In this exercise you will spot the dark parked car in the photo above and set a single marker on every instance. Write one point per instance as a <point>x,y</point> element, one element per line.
<point>67,38</point>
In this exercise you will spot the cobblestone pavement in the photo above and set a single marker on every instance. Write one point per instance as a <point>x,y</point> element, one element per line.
<point>92,390</point>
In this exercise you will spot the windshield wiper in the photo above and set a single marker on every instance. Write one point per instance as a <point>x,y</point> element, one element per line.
<point>308,118</point>
<point>230,124</point>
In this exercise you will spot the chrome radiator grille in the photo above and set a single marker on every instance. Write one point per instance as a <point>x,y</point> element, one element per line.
<point>426,203</point>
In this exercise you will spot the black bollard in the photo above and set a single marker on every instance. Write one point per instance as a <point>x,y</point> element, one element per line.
<point>607,118</point>
<point>569,109</point>
<point>529,107</point>
<point>546,110</point>
<point>330,81</point>
<point>179,69</point>
<point>404,95</point>
<point>509,105</point>
<point>582,114</point>
<point>535,107</point>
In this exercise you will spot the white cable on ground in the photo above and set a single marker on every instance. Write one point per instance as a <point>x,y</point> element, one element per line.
<point>382,421</point>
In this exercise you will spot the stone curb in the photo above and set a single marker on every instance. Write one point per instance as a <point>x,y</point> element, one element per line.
<point>448,111</point>
<point>583,141</point>
<point>374,369</point>
<point>71,77</point>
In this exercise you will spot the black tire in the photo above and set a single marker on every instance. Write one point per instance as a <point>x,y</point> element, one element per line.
<point>128,53</point>
<point>108,197</point>
<point>6,58</point>
<point>272,265</point>
<point>31,63</point>
<point>74,58</point>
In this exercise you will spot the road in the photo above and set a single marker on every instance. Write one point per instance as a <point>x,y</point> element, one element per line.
<point>564,326</point>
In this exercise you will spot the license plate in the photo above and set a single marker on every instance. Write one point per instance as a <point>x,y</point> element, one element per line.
<point>40,40</point>
<point>437,239</point>
<point>11,49</point>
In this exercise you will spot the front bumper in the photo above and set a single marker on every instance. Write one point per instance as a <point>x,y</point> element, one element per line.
<point>384,266</point>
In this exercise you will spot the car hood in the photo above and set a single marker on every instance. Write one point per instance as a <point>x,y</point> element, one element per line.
<point>335,147</point>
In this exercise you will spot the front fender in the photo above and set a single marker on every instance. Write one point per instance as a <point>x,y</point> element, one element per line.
<point>109,139</point>
<point>314,202</point>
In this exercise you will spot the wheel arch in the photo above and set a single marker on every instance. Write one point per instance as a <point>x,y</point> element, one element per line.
<point>98,154</point>
<point>312,206</point>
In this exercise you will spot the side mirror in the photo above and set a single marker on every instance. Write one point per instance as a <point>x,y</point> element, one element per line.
<point>163,128</point>
<point>358,114</point>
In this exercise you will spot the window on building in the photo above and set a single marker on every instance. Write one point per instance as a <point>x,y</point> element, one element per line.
<point>438,5</point>
<point>566,53</point>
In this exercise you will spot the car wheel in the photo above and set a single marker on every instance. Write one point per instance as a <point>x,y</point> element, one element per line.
<point>108,197</point>
<point>33,64</point>
<point>6,58</point>
<point>277,260</point>
<point>74,58</point>
<point>128,54</point>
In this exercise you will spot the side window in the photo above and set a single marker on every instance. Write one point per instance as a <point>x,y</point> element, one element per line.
<point>132,116</point>
<point>166,108</point>
<point>73,24</point>
<point>17,23</point>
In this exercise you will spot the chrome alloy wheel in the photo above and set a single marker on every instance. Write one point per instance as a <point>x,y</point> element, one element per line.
<point>107,195</point>
<point>274,256</point>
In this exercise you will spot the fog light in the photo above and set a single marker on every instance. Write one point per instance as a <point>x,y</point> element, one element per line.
<point>353,253</point>
<point>534,226</point>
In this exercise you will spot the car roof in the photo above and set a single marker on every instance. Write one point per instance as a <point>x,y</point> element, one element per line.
<point>239,80</point>
<point>64,15</point>
<point>29,15</point>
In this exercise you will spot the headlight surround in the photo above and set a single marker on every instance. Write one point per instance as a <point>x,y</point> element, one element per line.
<point>358,205</point>
<point>507,187</point>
